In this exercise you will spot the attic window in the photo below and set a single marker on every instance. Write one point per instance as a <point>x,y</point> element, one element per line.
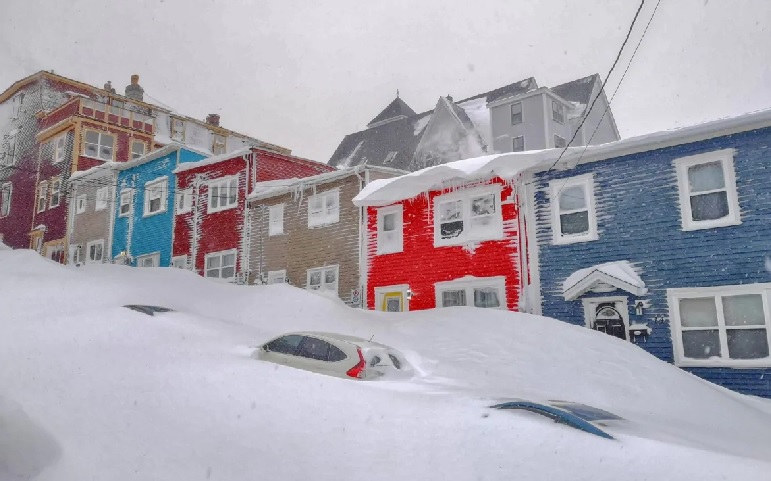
<point>177,129</point>
<point>557,112</point>
<point>390,157</point>
<point>218,145</point>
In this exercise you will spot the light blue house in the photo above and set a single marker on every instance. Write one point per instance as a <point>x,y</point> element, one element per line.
<point>145,206</point>
<point>664,241</point>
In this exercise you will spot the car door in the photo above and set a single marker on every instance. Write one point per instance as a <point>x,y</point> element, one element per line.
<point>313,354</point>
<point>282,350</point>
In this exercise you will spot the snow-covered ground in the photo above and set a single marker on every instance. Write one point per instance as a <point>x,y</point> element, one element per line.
<point>93,391</point>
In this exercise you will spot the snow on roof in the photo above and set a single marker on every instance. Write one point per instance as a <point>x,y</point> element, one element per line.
<point>619,274</point>
<point>479,115</point>
<point>213,160</point>
<point>104,167</point>
<point>155,154</point>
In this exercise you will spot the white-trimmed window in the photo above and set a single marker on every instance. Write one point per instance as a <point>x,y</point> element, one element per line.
<point>707,188</point>
<point>468,216</point>
<point>149,260</point>
<point>573,211</point>
<point>80,204</point>
<point>516,113</point>
<point>184,201</point>
<point>16,102</point>
<point>487,292</point>
<point>155,196</point>
<point>559,142</point>
<point>518,144</point>
<point>56,192</point>
<point>223,193</point>
<point>59,148</point>
<point>721,326</point>
<point>277,277</point>
<point>102,198</point>
<point>557,112</point>
<point>179,262</point>
<point>126,197</point>
<point>276,219</point>
<point>324,208</point>
<point>8,149</point>
<point>221,265</point>
<point>177,129</point>
<point>99,145</point>
<point>42,192</point>
<point>218,144</point>
<point>95,251</point>
<point>390,229</point>
<point>323,278</point>
<point>6,190</point>
<point>137,149</point>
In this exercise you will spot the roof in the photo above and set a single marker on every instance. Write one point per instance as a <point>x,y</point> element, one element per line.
<point>579,91</point>
<point>212,160</point>
<point>95,171</point>
<point>397,108</point>
<point>153,155</point>
<point>619,274</point>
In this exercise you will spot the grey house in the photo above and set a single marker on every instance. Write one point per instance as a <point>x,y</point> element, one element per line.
<point>516,117</point>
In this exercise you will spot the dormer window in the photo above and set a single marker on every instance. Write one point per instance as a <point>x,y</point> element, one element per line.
<point>218,145</point>
<point>177,129</point>
<point>557,112</point>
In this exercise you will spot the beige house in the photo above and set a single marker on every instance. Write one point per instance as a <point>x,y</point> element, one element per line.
<point>308,233</point>
<point>89,230</point>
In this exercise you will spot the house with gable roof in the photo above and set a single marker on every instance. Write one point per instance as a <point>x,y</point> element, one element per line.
<point>516,117</point>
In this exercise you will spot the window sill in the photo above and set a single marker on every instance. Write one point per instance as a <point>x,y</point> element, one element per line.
<point>276,234</point>
<point>97,158</point>
<point>124,215</point>
<point>211,210</point>
<point>691,226</point>
<point>725,363</point>
<point>382,252</point>
<point>181,212</point>
<point>575,240</point>
<point>151,214</point>
<point>323,224</point>
<point>462,241</point>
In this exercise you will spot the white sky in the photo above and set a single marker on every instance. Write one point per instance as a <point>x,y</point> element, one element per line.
<point>303,74</point>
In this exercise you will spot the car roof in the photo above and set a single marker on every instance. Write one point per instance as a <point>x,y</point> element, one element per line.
<point>332,336</point>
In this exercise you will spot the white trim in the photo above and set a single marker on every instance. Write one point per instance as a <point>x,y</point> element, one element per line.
<point>380,293</point>
<point>80,203</point>
<point>183,258</point>
<point>726,159</point>
<point>57,150</point>
<point>276,220</point>
<point>394,244</point>
<point>324,285</point>
<point>42,194</point>
<point>717,292</point>
<point>521,112</point>
<point>130,202</point>
<point>221,255</point>
<point>494,231</point>
<point>277,277</point>
<point>99,144</point>
<point>55,191</point>
<point>155,257</point>
<point>9,187</point>
<point>102,198</point>
<point>132,153</point>
<point>150,187</point>
<point>555,188</point>
<point>221,182</point>
<point>324,216</point>
<point>469,284</point>
<point>184,200</point>
<point>94,243</point>
<point>561,111</point>
<point>527,183</point>
<point>590,307</point>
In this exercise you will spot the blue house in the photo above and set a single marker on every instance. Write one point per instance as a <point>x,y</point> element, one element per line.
<point>663,240</point>
<point>145,206</point>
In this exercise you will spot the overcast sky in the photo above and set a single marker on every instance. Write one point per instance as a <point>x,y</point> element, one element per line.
<point>303,74</point>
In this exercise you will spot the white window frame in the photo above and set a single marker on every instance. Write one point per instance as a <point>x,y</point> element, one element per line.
<point>323,217</point>
<point>56,190</point>
<point>135,155</point>
<point>16,103</point>
<point>5,207</point>
<point>555,188</point>
<point>557,112</point>
<point>122,202</point>
<point>155,257</point>
<point>175,261</point>
<point>59,148</point>
<point>277,277</point>
<point>726,159</point>
<point>494,232</point>
<point>562,139</point>
<point>386,245</point>
<point>219,183</point>
<point>514,139</point>
<point>89,245</point>
<point>80,203</point>
<point>276,220</point>
<point>324,285</point>
<point>673,298</point>
<point>221,255</point>
<point>9,156</point>
<point>184,203</point>
<point>469,284</point>
<point>99,144</point>
<point>102,198</point>
<point>42,196</point>
<point>157,188</point>
<point>218,144</point>
<point>521,113</point>
<point>177,134</point>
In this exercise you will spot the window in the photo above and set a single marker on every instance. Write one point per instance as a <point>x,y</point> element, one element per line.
<point>98,145</point>
<point>284,345</point>
<point>726,325</point>
<point>323,278</point>
<point>95,251</point>
<point>155,196</point>
<point>137,149</point>
<point>221,265</point>
<point>468,216</point>
<point>324,208</point>
<point>56,193</point>
<point>390,229</point>
<point>118,107</point>
<point>489,292</point>
<point>707,188</point>
<point>149,260</point>
<point>518,144</point>
<point>5,199</point>
<point>277,277</point>
<point>573,215</point>
<point>390,157</point>
<point>177,129</point>
<point>126,196</point>
<point>179,262</point>
<point>59,148</point>
<point>516,113</point>
<point>276,220</point>
<point>218,145</point>
<point>42,192</point>
<point>313,348</point>
<point>557,112</point>
<point>223,193</point>
<point>184,201</point>
<point>80,204</point>
<point>559,142</point>
<point>102,198</point>
<point>16,102</point>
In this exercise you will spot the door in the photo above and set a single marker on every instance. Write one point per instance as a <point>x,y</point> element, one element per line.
<point>608,319</point>
<point>391,299</point>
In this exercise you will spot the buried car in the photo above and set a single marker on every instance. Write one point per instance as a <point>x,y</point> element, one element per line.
<point>334,355</point>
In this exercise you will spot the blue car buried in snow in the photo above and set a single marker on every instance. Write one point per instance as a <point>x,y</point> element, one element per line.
<point>576,415</point>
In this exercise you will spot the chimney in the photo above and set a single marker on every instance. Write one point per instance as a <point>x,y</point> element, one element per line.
<point>213,119</point>
<point>108,87</point>
<point>449,97</point>
<point>134,91</point>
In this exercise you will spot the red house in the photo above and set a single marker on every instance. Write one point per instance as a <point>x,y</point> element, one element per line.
<point>449,235</point>
<point>211,235</point>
